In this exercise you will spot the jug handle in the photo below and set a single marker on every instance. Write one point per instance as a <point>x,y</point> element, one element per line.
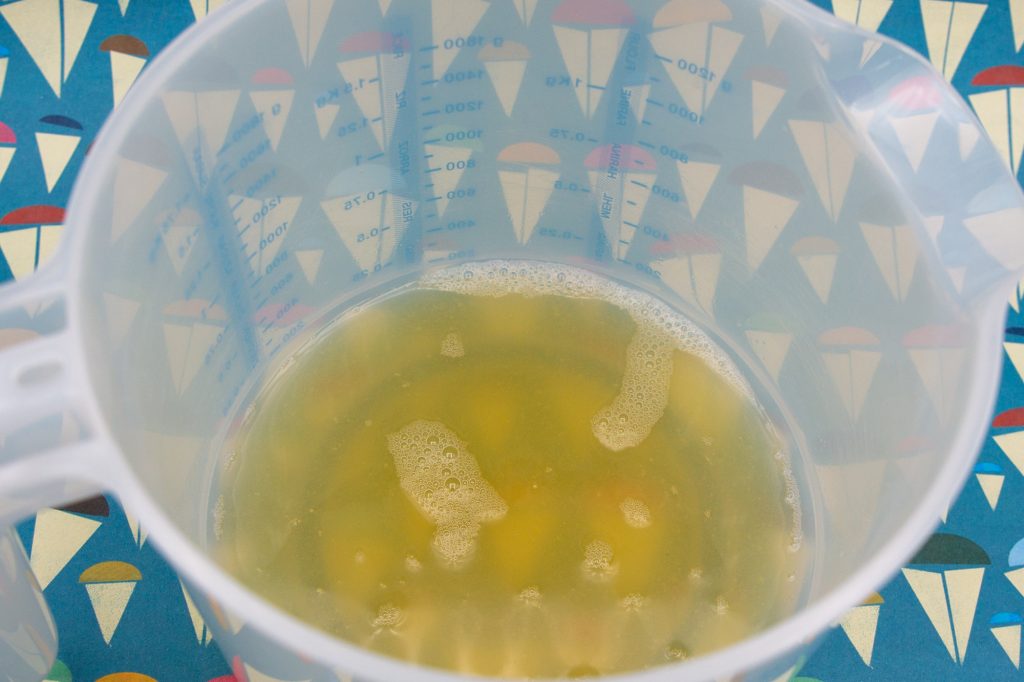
<point>38,378</point>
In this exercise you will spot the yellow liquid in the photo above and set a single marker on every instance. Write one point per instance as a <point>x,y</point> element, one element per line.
<point>515,470</point>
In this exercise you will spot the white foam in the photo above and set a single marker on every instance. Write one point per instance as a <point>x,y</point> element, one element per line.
<point>635,512</point>
<point>599,562</point>
<point>441,477</point>
<point>451,346</point>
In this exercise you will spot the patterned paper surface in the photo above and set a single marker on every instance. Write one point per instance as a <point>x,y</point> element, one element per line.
<point>953,614</point>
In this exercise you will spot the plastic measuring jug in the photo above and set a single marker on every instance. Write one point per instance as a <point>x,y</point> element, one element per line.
<point>815,196</point>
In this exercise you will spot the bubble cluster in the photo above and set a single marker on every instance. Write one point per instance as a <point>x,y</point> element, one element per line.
<point>635,512</point>
<point>388,617</point>
<point>412,564</point>
<point>451,346</point>
<point>530,597</point>
<point>676,651</point>
<point>442,478</point>
<point>633,603</point>
<point>599,562</point>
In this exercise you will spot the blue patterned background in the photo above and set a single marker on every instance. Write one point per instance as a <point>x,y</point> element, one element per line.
<point>888,638</point>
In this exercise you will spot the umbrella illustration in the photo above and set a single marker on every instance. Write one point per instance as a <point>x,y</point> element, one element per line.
<point>895,251</point>
<point>126,677</point>
<point>448,154</point>
<point>263,224</point>
<point>867,14</point>
<point>52,32</point>
<point>1005,627</point>
<point>201,8</point>
<point>506,66</point>
<point>1010,435</point>
<point>182,234</point>
<point>367,213</point>
<point>937,352</point>
<point>451,21</point>
<point>527,172</point>
<point>128,55</point>
<point>1000,108</point>
<point>375,67</point>
<point>309,261</point>
<point>59,534</point>
<point>948,588</point>
<point>1015,560</point>
<point>203,634</point>
<point>948,30</point>
<point>308,19</point>
<point>768,86</point>
<point>829,157</point>
<point>590,34</point>
<point>860,624</point>
<point>697,175</point>
<point>817,257</point>
<point>57,140</point>
<point>30,236</point>
<point>8,145</point>
<point>851,356</point>
<point>771,195</point>
<point>990,478</point>
<point>271,92</point>
<point>913,104</point>
<point>694,272</point>
<point>621,177</point>
<point>686,36</point>
<point>191,328</point>
<point>110,585</point>
<point>4,57</point>
<point>770,339</point>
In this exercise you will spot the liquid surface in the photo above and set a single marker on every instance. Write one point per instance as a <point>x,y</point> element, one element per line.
<point>518,470</point>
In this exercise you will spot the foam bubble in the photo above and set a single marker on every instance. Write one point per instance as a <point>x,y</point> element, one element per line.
<point>388,617</point>
<point>599,562</point>
<point>635,512</point>
<point>441,477</point>
<point>530,596</point>
<point>451,346</point>
<point>633,603</point>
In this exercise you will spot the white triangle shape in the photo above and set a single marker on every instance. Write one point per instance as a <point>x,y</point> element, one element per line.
<point>55,151</point>
<point>869,50</point>
<point>697,178</point>
<point>325,116</point>
<point>450,20</point>
<point>963,586</point>
<point>949,28</point>
<point>968,138</point>
<point>573,45</point>
<point>860,624</point>
<point>123,6</point>
<point>19,249</point>
<point>506,77</point>
<point>78,17</point>
<point>930,592</point>
<point>109,601</point>
<point>867,14</point>
<point>693,277</point>
<point>308,19</point>
<point>766,99</point>
<point>895,252</point>
<point>991,486</point>
<point>309,261</point>
<point>135,185</point>
<point>605,45</point>
<point>57,537</point>
<point>766,215</point>
<point>637,96</point>
<point>915,134</point>
<point>1008,637</point>
<point>274,106</point>
<point>771,348</point>
<point>443,158</point>
<point>37,25</point>
<point>1017,19</point>
<point>139,533</point>
<point>1012,444</point>
<point>820,270</point>
<point>525,9</point>
<point>513,188</point>
<point>770,19</point>
<point>993,110</point>
<point>6,154</point>
<point>1016,578</point>
<point>198,624</point>
<point>998,242</point>
<point>124,69</point>
<point>829,157</point>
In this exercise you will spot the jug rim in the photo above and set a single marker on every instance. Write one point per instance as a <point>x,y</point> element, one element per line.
<point>273,622</point>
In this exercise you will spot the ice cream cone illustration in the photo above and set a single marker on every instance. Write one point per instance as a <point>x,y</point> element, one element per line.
<point>450,22</point>
<point>697,175</point>
<point>590,34</point>
<point>110,585</point>
<point>448,155</point>
<point>201,118</point>
<point>203,634</point>
<point>990,477</point>
<point>59,534</point>
<point>938,353</point>
<point>1001,109</point>
<point>771,195</point>
<point>57,139</point>
<point>1008,432</point>
<point>271,91</point>
<point>128,55</point>
<point>696,49</point>
<point>308,19</point>
<point>4,57</point>
<point>375,67</point>
<point>770,339</point>
<point>895,250</point>
<point>948,30</point>
<point>860,625</point>
<point>1005,627</point>
<point>368,213</point>
<point>52,32</point>
<point>8,145</point>
<point>946,576</point>
<point>621,177</point>
<point>768,86</point>
<point>191,329</point>
<point>1015,560</point>
<point>851,356</point>
<point>914,104</point>
<point>29,236</point>
<point>817,257</point>
<point>525,9</point>
<point>527,172</point>
<point>136,182</point>
<point>201,8</point>
<point>506,66</point>
<point>867,14</point>
<point>829,157</point>
<point>309,262</point>
<point>694,273</point>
